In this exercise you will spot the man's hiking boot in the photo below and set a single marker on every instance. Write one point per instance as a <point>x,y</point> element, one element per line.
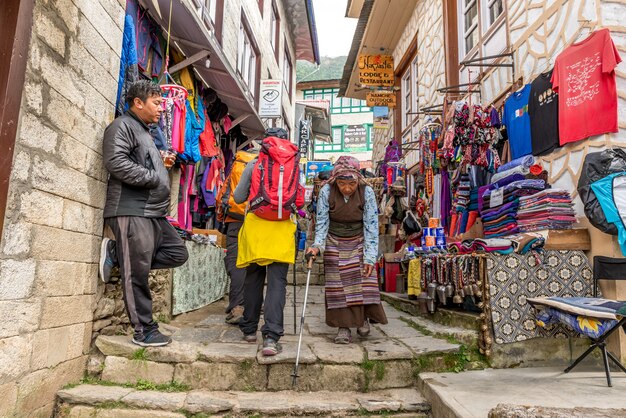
<point>108,259</point>
<point>250,338</point>
<point>235,316</point>
<point>271,347</point>
<point>153,339</point>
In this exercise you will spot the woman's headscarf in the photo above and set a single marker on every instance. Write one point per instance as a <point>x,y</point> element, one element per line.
<point>346,167</point>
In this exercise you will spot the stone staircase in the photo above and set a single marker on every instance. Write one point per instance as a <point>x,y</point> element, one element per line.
<point>209,371</point>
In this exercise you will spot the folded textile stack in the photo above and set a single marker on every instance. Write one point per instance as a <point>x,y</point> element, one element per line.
<point>548,209</point>
<point>489,245</point>
<point>500,206</point>
<point>523,243</point>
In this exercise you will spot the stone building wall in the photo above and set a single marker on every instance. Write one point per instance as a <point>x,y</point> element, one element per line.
<point>51,301</point>
<point>53,225</point>
<point>431,61</point>
<point>260,22</point>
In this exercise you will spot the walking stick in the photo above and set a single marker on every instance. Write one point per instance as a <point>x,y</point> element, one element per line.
<point>295,263</point>
<point>309,258</point>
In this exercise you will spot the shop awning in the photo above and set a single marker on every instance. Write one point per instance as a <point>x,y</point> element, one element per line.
<point>381,23</point>
<point>197,42</point>
<point>320,119</point>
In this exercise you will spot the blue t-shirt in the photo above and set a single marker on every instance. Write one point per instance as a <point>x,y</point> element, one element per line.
<point>517,122</point>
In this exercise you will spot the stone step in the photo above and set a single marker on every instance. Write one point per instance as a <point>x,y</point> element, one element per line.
<point>428,327</point>
<point>101,401</point>
<point>449,317</point>
<point>207,358</point>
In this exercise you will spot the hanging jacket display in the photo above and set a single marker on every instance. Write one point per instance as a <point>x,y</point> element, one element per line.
<point>596,166</point>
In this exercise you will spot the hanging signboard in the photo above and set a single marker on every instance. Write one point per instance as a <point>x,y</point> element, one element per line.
<point>270,103</point>
<point>355,137</point>
<point>376,70</point>
<point>313,168</point>
<point>381,117</point>
<point>304,133</point>
<point>381,98</point>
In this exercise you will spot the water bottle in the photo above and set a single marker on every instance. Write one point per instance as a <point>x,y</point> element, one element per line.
<point>301,241</point>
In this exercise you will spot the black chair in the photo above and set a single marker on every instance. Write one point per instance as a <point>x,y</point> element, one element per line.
<point>606,268</point>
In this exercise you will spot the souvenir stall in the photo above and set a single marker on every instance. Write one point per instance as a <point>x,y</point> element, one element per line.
<point>494,232</point>
<point>198,140</point>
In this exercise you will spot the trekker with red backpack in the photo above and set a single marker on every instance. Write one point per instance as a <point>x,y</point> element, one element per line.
<point>270,184</point>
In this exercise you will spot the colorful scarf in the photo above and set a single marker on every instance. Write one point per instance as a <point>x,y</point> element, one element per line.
<point>346,167</point>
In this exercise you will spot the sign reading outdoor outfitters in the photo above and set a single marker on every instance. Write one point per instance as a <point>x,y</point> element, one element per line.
<point>381,98</point>
<point>304,134</point>
<point>376,70</point>
<point>270,99</point>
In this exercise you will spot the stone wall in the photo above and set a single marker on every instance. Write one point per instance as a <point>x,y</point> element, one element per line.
<point>431,62</point>
<point>110,313</point>
<point>53,225</point>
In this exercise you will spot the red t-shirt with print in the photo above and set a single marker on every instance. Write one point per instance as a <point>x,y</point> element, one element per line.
<point>584,77</point>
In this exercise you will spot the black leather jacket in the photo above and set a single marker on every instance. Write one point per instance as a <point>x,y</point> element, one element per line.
<point>139,183</point>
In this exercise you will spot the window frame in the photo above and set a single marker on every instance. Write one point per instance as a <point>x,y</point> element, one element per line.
<point>215,20</point>
<point>246,70</point>
<point>336,103</point>
<point>406,95</point>
<point>484,27</point>
<point>275,28</point>
<point>287,62</point>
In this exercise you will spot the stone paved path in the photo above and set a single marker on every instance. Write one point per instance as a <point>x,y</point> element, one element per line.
<point>212,370</point>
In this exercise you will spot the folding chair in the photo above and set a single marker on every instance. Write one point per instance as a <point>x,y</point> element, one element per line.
<point>604,268</point>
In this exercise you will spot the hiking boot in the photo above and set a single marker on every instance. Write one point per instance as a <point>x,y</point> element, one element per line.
<point>108,259</point>
<point>343,336</point>
<point>364,331</point>
<point>153,339</point>
<point>236,315</point>
<point>271,347</point>
<point>249,338</point>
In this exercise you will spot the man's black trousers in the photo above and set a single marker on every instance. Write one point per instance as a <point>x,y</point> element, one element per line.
<point>143,244</point>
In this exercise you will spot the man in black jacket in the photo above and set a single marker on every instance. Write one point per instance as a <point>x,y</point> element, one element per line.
<point>138,199</point>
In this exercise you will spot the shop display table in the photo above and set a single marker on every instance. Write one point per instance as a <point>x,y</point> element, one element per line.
<point>201,280</point>
<point>514,278</point>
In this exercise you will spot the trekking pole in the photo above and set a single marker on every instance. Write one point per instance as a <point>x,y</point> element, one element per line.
<point>309,259</point>
<point>295,263</point>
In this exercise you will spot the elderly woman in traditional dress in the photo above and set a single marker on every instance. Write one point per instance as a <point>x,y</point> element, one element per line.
<point>347,235</point>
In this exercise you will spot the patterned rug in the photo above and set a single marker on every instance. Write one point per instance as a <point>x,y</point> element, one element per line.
<point>513,278</point>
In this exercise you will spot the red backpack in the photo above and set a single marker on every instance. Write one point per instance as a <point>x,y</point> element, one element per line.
<point>275,190</point>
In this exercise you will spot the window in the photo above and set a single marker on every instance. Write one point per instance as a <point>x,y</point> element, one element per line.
<point>469,25</point>
<point>477,17</point>
<point>287,72</point>
<point>337,104</point>
<point>495,10</point>
<point>247,58</point>
<point>414,86</point>
<point>274,30</point>
<point>211,12</point>
<point>337,144</point>
<point>406,99</point>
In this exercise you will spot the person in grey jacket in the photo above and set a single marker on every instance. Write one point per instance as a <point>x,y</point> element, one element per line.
<point>137,201</point>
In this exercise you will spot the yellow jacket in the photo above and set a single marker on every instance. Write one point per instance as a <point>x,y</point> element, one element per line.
<point>265,242</point>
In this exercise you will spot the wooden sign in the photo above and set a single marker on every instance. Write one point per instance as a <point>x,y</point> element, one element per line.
<point>381,98</point>
<point>376,70</point>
